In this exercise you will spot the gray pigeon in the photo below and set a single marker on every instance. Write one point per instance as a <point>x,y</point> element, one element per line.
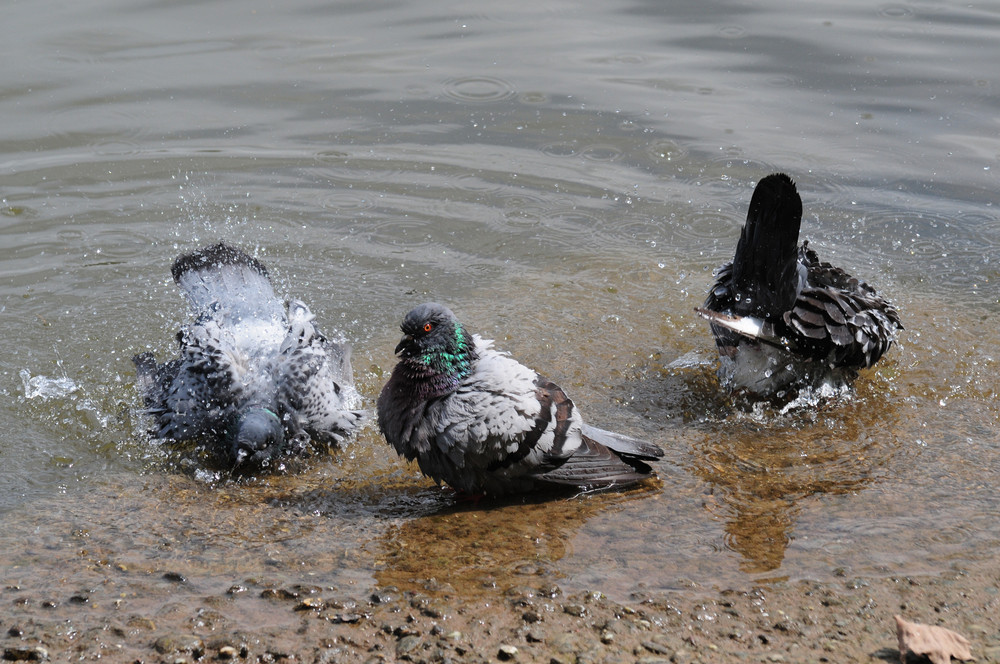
<point>252,380</point>
<point>475,418</point>
<point>781,318</point>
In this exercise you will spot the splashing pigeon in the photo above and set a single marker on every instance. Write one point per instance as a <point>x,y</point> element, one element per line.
<point>781,318</point>
<point>256,380</point>
<point>476,419</point>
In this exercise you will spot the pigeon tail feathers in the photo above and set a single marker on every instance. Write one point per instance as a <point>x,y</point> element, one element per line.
<point>764,270</point>
<point>227,284</point>
<point>623,444</point>
<point>595,466</point>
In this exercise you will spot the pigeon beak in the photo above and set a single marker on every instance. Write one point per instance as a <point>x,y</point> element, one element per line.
<point>404,342</point>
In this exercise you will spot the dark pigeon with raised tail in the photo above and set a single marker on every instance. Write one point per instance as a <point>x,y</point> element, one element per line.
<point>476,419</point>
<point>255,380</point>
<point>781,318</point>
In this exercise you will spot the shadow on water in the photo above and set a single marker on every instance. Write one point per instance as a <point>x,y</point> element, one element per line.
<point>436,544</point>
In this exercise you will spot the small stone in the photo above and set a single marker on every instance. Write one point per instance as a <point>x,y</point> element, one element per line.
<point>578,610</point>
<point>531,616</point>
<point>228,652</point>
<point>25,654</point>
<point>183,643</point>
<point>175,577</point>
<point>776,658</point>
<point>434,612</point>
<point>454,636</point>
<point>565,643</point>
<point>681,657</point>
<point>607,638</point>
<point>385,595</point>
<point>339,618</point>
<point>535,635</point>
<point>507,653</point>
<point>407,644</point>
<point>310,604</point>
<point>655,648</point>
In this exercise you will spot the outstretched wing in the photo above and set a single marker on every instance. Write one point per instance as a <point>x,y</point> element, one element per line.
<point>196,394</point>
<point>315,380</point>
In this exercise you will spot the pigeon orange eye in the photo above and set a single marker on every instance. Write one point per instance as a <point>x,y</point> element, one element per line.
<point>428,327</point>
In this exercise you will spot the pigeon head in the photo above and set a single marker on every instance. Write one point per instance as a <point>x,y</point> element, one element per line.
<point>259,436</point>
<point>434,340</point>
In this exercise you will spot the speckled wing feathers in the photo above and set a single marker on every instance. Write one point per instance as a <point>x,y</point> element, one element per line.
<point>315,381</point>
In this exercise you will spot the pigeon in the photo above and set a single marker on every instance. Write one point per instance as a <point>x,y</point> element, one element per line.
<point>255,379</point>
<point>481,422</point>
<point>782,319</point>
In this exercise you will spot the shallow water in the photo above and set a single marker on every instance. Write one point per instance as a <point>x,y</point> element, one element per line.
<point>565,178</point>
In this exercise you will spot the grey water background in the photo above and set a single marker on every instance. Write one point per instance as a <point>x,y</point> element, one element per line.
<point>565,176</point>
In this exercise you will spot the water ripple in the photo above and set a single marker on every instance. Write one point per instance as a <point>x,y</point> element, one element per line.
<point>895,11</point>
<point>479,89</point>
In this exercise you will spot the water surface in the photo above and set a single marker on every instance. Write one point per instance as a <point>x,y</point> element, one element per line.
<point>565,177</point>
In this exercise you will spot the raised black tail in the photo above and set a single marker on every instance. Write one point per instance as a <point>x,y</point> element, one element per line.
<point>765,279</point>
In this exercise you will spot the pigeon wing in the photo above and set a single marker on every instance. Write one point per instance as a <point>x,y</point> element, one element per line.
<point>315,380</point>
<point>205,392</point>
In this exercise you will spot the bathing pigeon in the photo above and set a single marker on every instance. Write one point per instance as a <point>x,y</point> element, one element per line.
<point>782,319</point>
<point>475,418</point>
<point>253,380</point>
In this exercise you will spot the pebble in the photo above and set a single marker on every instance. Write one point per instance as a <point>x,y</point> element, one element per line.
<point>682,657</point>
<point>655,648</point>
<point>507,653</point>
<point>578,610</point>
<point>187,643</point>
<point>384,595</point>
<point>310,604</point>
<point>25,654</point>
<point>338,618</point>
<point>565,643</point>
<point>228,652</point>
<point>407,644</point>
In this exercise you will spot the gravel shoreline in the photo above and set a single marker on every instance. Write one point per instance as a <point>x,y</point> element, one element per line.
<point>159,619</point>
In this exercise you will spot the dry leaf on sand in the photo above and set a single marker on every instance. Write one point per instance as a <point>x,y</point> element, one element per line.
<point>937,643</point>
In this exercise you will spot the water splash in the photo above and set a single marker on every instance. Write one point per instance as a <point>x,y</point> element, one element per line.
<point>47,388</point>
